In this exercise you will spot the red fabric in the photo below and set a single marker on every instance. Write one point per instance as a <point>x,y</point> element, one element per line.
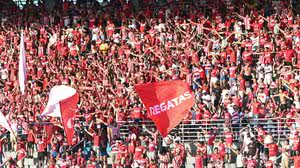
<point>136,114</point>
<point>199,162</point>
<point>251,163</point>
<point>67,109</point>
<point>296,144</point>
<point>30,136</point>
<point>21,154</point>
<point>228,138</point>
<point>273,149</point>
<point>40,145</point>
<point>269,164</point>
<point>296,161</point>
<point>167,103</point>
<point>139,151</point>
<point>96,140</point>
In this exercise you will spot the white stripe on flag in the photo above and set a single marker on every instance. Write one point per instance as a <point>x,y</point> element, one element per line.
<point>22,65</point>
<point>4,123</point>
<point>57,94</point>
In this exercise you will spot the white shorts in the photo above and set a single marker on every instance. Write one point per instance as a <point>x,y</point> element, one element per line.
<point>273,158</point>
<point>214,79</point>
<point>268,78</point>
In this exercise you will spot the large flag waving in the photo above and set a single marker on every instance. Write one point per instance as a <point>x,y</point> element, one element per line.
<point>22,65</point>
<point>4,123</point>
<point>63,103</point>
<point>167,103</point>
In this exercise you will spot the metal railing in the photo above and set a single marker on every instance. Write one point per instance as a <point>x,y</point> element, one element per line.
<point>193,130</point>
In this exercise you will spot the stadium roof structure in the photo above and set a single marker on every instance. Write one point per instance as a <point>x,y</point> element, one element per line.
<point>7,4</point>
<point>21,3</point>
<point>9,7</point>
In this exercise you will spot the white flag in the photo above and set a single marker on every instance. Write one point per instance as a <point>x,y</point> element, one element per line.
<point>4,123</point>
<point>22,65</point>
<point>57,94</point>
<point>52,40</point>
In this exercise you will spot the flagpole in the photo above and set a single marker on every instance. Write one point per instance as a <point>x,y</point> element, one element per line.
<point>22,65</point>
<point>12,131</point>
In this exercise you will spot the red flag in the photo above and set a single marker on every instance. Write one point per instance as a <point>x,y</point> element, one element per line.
<point>167,103</point>
<point>62,103</point>
<point>68,108</point>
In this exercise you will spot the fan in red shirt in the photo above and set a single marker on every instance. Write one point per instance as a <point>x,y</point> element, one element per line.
<point>41,146</point>
<point>296,159</point>
<point>30,140</point>
<point>91,164</point>
<point>228,142</point>
<point>251,163</point>
<point>261,135</point>
<point>201,157</point>
<point>122,155</point>
<point>136,113</point>
<point>199,160</point>
<point>296,144</point>
<point>269,163</point>
<point>216,158</point>
<point>115,146</point>
<point>289,55</point>
<point>178,149</point>
<point>142,162</point>
<point>139,150</point>
<point>273,150</point>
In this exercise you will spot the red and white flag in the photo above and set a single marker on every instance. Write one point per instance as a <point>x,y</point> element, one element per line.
<point>167,103</point>
<point>4,123</point>
<point>63,103</point>
<point>22,65</point>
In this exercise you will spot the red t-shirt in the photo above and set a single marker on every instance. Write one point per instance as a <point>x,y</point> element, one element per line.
<point>151,147</point>
<point>199,162</point>
<point>139,151</point>
<point>142,162</point>
<point>232,72</point>
<point>289,55</point>
<point>228,138</point>
<point>296,161</point>
<point>91,166</point>
<point>261,135</point>
<point>122,151</point>
<point>221,148</point>
<point>96,140</point>
<point>136,113</point>
<point>215,156</point>
<point>296,144</point>
<point>251,163</point>
<point>40,145</point>
<point>269,164</point>
<point>30,136</point>
<point>256,106</point>
<point>273,149</point>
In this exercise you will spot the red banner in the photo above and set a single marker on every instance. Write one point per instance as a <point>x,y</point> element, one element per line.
<point>167,103</point>
<point>68,108</point>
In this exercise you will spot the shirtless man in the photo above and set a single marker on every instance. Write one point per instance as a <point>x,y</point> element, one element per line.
<point>246,73</point>
<point>282,99</point>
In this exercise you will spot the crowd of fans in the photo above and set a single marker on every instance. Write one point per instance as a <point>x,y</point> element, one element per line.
<point>241,59</point>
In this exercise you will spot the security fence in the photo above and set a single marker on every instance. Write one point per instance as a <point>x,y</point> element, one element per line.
<point>195,130</point>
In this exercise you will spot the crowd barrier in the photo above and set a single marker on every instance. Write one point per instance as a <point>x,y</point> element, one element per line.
<point>194,130</point>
